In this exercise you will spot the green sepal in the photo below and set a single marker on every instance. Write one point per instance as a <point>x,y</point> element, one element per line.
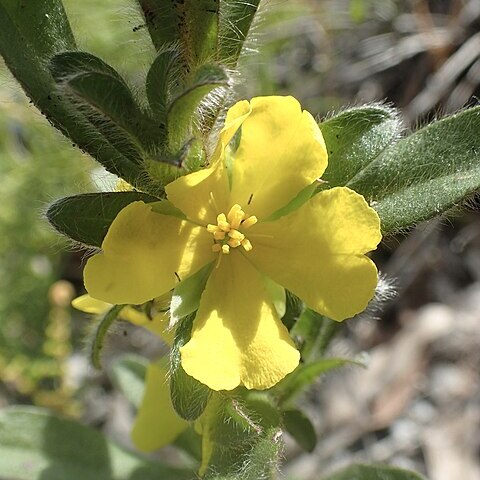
<point>189,396</point>
<point>425,174</point>
<point>186,295</point>
<point>293,309</point>
<point>86,218</point>
<point>304,375</point>
<point>235,21</point>
<point>355,138</point>
<point>374,472</point>
<point>299,426</point>
<point>182,110</point>
<point>127,374</point>
<point>37,444</point>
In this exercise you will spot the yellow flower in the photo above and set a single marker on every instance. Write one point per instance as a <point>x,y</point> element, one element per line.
<point>225,214</point>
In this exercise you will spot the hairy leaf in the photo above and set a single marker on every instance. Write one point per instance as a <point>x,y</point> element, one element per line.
<point>98,91</point>
<point>425,174</point>
<point>30,34</point>
<point>86,218</point>
<point>355,138</point>
<point>235,21</point>
<point>181,112</point>
<point>38,444</point>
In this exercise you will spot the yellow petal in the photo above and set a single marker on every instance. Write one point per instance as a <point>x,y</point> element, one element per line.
<point>204,194</point>
<point>145,254</point>
<point>87,304</point>
<point>317,252</point>
<point>281,152</point>
<point>237,337</point>
<point>157,423</point>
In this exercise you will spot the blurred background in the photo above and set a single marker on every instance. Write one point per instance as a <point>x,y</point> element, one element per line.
<point>418,403</point>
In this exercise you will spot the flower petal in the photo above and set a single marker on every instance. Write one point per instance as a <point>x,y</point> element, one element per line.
<point>237,337</point>
<point>158,325</point>
<point>85,303</point>
<point>317,252</point>
<point>281,151</point>
<point>204,194</point>
<point>145,254</point>
<point>157,423</point>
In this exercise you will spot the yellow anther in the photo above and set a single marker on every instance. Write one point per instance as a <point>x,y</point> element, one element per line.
<point>234,243</point>
<point>248,222</point>
<point>246,245</point>
<point>218,235</point>
<point>222,222</point>
<point>236,235</point>
<point>227,232</point>
<point>235,216</point>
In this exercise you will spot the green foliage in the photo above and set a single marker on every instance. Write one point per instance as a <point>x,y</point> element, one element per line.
<point>37,444</point>
<point>374,472</point>
<point>93,214</point>
<point>304,375</point>
<point>182,110</point>
<point>355,138</point>
<point>189,396</point>
<point>425,174</point>
<point>235,21</point>
<point>299,426</point>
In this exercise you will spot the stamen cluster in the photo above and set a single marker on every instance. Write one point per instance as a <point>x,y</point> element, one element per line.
<point>227,232</point>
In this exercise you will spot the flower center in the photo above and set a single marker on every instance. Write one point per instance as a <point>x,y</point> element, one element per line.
<point>226,232</point>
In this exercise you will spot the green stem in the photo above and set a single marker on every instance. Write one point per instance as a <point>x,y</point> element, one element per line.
<point>101,333</point>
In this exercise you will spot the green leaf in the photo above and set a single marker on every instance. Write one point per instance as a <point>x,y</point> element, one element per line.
<point>201,29</point>
<point>189,396</point>
<point>299,426</point>
<point>374,472</point>
<point>162,21</point>
<point>181,112</point>
<point>355,138</point>
<point>98,91</point>
<point>30,34</point>
<point>161,77</point>
<point>304,375</point>
<point>235,21</point>
<point>186,296</point>
<point>86,218</point>
<point>37,444</point>
<point>128,376</point>
<point>43,25</point>
<point>425,174</point>
<point>191,23</point>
